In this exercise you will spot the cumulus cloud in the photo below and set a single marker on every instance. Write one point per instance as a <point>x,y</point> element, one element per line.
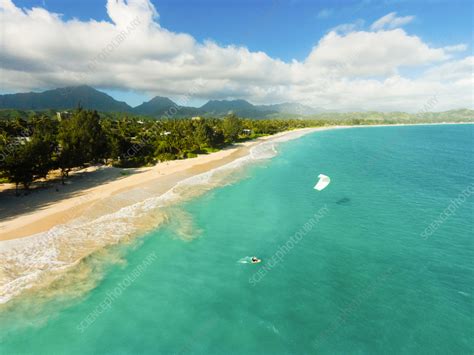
<point>372,53</point>
<point>351,68</point>
<point>456,48</point>
<point>348,27</point>
<point>391,21</point>
<point>457,70</point>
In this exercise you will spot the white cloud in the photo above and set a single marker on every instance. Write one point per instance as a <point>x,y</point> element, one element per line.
<point>457,70</point>
<point>345,69</point>
<point>348,27</point>
<point>372,53</point>
<point>456,48</point>
<point>391,21</point>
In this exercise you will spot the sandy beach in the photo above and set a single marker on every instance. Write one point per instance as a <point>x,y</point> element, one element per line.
<point>51,230</point>
<point>86,192</point>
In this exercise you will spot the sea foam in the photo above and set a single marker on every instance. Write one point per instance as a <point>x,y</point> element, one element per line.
<point>39,259</point>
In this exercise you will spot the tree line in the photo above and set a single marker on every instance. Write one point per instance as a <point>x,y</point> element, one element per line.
<point>30,149</point>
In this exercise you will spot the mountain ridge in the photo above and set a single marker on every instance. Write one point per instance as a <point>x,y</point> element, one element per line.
<point>64,98</point>
<point>91,98</point>
<point>159,106</point>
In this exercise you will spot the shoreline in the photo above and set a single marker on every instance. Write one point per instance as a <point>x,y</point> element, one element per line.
<point>166,175</point>
<point>67,209</point>
<point>38,247</point>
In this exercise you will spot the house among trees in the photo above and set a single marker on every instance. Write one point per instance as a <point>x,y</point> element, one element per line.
<point>30,149</point>
<point>21,140</point>
<point>63,115</point>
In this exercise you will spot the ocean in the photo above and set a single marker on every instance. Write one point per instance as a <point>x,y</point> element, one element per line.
<point>380,261</point>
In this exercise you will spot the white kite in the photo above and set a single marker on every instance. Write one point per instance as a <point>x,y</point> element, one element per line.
<point>322,183</point>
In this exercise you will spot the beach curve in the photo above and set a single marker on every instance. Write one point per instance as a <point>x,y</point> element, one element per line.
<point>36,248</point>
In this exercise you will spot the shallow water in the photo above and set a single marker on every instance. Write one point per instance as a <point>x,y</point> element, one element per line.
<point>363,276</point>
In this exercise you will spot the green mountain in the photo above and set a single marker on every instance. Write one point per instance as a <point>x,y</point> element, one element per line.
<point>63,99</point>
<point>239,107</point>
<point>155,107</point>
<point>158,107</point>
<point>461,115</point>
<point>292,108</point>
<point>23,105</point>
<point>163,107</point>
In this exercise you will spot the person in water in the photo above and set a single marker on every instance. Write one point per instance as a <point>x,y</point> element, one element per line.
<point>255,259</point>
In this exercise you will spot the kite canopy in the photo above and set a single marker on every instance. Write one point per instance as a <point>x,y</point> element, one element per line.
<point>322,183</point>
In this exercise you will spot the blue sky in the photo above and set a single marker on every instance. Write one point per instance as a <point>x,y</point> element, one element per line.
<point>288,31</point>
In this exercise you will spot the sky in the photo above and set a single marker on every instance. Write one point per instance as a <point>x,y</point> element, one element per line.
<point>387,55</point>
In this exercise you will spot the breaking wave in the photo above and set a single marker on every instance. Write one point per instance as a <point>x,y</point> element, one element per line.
<point>38,260</point>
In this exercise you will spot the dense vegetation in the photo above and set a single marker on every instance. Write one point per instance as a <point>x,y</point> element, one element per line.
<point>167,109</point>
<point>30,149</point>
<point>34,143</point>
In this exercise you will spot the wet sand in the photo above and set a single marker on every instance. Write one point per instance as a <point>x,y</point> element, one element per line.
<point>88,195</point>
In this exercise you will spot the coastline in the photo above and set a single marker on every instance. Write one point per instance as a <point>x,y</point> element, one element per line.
<point>162,177</point>
<point>37,248</point>
<point>158,179</point>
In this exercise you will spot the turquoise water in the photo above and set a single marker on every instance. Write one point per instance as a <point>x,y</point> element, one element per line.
<point>367,278</point>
